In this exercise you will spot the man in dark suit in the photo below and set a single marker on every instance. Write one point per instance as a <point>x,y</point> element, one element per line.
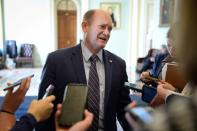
<point>73,65</point>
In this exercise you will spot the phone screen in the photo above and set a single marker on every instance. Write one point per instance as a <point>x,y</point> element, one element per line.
<point>148,93</point>
<point>142,114</point>
<point>75,96</point>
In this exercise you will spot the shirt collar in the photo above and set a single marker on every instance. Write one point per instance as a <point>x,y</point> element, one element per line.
<point>87,53</point>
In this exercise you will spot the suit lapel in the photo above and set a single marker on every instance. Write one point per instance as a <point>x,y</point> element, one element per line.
<point>108,74</point>
<point>77,62</point>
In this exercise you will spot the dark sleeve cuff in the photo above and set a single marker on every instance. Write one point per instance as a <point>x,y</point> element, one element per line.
<point>27,123</point>
<point>31,119</point>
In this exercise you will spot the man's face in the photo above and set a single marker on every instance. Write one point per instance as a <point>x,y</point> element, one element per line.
<point>97,32</point>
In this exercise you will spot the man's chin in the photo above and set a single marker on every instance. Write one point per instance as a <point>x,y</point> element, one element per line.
<point>101,46</point>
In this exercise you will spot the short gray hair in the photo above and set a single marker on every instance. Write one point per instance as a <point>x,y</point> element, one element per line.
<point>88,15</point>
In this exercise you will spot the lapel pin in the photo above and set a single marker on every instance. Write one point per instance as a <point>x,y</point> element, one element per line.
<point>110,61</point>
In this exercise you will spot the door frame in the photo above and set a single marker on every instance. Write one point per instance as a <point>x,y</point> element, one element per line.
<point>53,6</point>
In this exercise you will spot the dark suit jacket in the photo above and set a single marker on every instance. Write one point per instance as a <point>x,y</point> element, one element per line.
<point>66,66</point>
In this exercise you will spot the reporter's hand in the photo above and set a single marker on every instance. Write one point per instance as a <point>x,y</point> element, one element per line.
<point>163,92</point>
<point>12,99</point>
<point>157,101</point>
<point>42,109</point>
<point>7,121</point>
<point>84,124</point>
<point>132,105</point>
<point>144,75</point>
<point>166,85</point>
<point>159,98</point>
<point>79,126</point>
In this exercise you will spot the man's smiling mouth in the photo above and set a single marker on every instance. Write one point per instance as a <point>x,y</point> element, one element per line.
<point>102,38</point>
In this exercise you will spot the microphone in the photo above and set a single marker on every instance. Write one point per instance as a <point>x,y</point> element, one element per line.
<point>49,91</point>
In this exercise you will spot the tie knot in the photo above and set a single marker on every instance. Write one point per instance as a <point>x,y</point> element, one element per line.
<point>93,58</point>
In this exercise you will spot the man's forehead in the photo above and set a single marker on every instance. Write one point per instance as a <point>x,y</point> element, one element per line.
<point>102,16</point>
<point>101,13</point>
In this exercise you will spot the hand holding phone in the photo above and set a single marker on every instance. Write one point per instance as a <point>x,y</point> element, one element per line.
<point>75,96</point>
<point>17,83</point>
<point>148,93</point>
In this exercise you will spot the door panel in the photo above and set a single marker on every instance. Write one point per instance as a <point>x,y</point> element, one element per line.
<point>66,29</point>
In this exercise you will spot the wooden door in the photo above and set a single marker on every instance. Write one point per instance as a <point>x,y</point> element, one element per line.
<point>66,29</point>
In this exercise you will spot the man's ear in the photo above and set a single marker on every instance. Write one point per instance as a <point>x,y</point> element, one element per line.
<point>84,26</point>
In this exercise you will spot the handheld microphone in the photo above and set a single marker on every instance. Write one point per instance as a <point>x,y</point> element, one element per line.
<point>49,91</point>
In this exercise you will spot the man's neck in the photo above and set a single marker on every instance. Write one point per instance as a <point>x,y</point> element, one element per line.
<point>93,50</point>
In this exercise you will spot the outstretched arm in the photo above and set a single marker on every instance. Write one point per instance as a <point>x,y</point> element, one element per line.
<point>39,110</point>
<point>11,103</point>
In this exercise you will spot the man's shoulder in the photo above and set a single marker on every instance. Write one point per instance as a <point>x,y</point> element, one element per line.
<point>64,51</point>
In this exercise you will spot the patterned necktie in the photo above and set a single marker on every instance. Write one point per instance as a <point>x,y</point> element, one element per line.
<point>93,93</point>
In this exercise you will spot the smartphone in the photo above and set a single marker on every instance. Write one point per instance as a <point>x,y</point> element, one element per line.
<point>142,115</point>
<point>154,79</point>
<point>17,83</point>
<point>151,80</point>
<point>74,102</point>
<point>132,87</point>
<point>148,93</point>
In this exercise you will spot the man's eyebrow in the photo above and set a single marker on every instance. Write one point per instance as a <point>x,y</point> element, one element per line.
<point>105,25</point>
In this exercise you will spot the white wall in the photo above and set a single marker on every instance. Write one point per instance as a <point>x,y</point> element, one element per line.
<point>132,51</point>
<point>159,33</point>
<point>1,26</point>
<point>29,21</point>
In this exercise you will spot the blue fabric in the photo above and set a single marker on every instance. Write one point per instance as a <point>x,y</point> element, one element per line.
<point>11,48</point>
<point>157,67</point>
<point>147,65</point>
<point>23,107</point>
